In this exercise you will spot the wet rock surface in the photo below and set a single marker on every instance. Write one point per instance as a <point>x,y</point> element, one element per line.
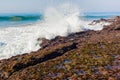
<point>90,55</point>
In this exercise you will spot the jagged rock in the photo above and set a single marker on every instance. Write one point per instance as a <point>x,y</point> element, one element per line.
<point>44,43</point>
<point>101,20</point>
<point>117,27</point>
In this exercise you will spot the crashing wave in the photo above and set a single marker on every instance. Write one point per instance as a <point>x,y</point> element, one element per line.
<point>59,21</point>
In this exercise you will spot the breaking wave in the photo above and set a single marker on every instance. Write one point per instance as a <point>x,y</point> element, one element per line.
<point>59,21</point>
<point>20,18</point>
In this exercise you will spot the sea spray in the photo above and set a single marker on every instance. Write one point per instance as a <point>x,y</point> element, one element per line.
<point>62,21</point>
<point>59,21</point>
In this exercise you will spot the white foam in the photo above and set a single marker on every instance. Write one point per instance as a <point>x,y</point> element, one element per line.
<point>58,21</point>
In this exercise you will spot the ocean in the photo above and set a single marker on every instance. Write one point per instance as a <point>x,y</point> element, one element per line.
<point>9,20</point>
<point>12,19</point>
<point>19,33</point>
<point>99,15</point>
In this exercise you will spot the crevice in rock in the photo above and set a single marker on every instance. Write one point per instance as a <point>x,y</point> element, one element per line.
<point>57,53</point>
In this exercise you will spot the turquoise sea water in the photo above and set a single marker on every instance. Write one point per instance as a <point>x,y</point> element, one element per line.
<point>99,15</point>
<point>7,20</point>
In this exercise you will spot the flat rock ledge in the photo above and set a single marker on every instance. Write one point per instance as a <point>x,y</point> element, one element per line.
<point>89,55</point>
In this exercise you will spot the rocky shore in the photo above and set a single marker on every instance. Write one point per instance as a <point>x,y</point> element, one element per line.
<point>89,55</point>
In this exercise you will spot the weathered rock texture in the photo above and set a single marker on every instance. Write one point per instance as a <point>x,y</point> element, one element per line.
<point>90,55</point>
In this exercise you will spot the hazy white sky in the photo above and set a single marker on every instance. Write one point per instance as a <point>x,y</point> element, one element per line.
<point>14,6</point>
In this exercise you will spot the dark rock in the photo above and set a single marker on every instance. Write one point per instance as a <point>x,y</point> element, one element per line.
<point>117,27</point>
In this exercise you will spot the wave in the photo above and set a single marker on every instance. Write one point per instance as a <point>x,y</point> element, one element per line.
<point>21,18</point>
<point>59,21</point>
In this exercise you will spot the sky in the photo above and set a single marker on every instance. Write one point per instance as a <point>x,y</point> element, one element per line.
<point>26,6</point>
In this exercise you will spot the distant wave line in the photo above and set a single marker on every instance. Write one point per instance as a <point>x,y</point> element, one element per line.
<point>21,18</point>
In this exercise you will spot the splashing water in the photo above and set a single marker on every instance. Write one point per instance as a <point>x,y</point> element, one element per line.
<point>59,21</point>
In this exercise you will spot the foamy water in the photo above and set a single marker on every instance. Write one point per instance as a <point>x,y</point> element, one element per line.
<point>57,22</point>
